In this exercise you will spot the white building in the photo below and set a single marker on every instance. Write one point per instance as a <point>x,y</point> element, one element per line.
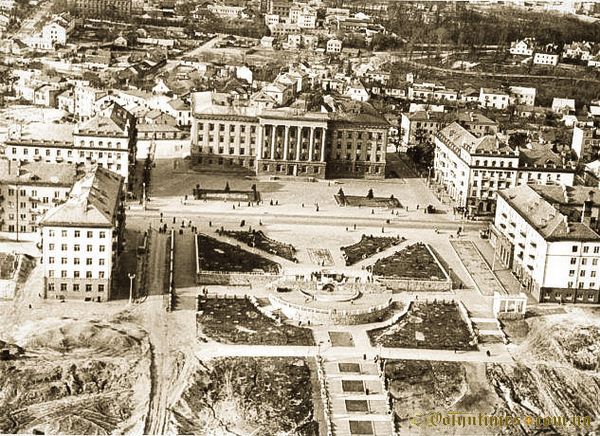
<point>563,105</point>
<point>472,169</point>
<point>58,30</point>
<point>493,98</point>
<point>522,47</point>
<point>523,95</point>
<point>543,58</point>
<point>357,91</point>
<point>303,15</point>
<point>226,11</point>
<point>334,46</point>
<point>81,239</point>
<point>547,235</point>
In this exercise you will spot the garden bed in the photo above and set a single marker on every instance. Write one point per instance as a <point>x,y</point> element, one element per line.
<point>415,262</point>
<point>437,326</point>
<point>240,322</point>
<point>259,240</point>
<point>214,255</point>
<point>255,395</point>
<point>367,247</point>
<point>358,201</point>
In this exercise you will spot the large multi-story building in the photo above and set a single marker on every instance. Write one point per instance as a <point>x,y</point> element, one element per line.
<point>81,238</point>
<point>104,8</point>
<point>350,142</point>
<point>28,190</point>
<point>473,169</point>
<point>548,236</point>
<point>586,143</point>
<point>107,139</point>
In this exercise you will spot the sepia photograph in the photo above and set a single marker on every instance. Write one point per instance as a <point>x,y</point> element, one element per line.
<point>300,217</point>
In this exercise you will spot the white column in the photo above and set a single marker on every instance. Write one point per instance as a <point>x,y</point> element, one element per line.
<point>273,135</point>
<point>298,142</point>
<point>286,142</point>
<point>311,144</point>
<point>323,130</point>
<point>259,141</point>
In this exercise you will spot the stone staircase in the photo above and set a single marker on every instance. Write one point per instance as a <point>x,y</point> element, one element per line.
<point>489,330</point>
<point>358,400</point>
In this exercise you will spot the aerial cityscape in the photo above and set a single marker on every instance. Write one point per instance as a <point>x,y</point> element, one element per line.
<point>299,217</point>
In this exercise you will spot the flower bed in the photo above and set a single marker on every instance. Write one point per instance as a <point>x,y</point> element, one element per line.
<point>259,240</point>
<point>367,247</point>
<point>254,395</point>
<point>413,262</point>
<point>214,255</point>
<point>437,325</point>
<point>240,322</point>
<point>358,201</point>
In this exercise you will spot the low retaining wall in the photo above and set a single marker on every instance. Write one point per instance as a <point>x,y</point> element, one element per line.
<point>234,279</point>
<point>330,316</point>
<point>401,285</point>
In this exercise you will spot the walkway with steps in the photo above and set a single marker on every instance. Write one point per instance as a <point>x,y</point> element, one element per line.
<point>484,278</point>
<point>358,399</point>
<point>489,329</point>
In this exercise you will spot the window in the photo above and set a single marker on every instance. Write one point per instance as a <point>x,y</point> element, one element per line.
<point>51,287</point>
<point>582,273</point>
<point>63,274</point>
<point>88,274</point>
<point>63,260</point>
<point>102,248</point>
<point>76,247</point>
<point>574,249</point>
<point>100,262</point>
<point>102,235</point>
<point>584,261</point>
<point>100,288</point>
<point>88,288</point>
<point>63,287</point>
<point>63,233</point>
<point>101,274</point>
<point>571,273</point>
<point>51,247</point>
<point>88,248</point>
<point>594,261</point>
<point>573,260</point>
<point>76,261</point>
<point>76,287</point>
<point>586,249</point>
<point>88,261</point>
<point>50,260</point>
<point>592,273</point>
<point>90,234</point>
<point>76,274</point>
<point>50,273</point>
<point>63,247</point>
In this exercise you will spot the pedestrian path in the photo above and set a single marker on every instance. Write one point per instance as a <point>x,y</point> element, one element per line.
<point>357,397</point>
<point>484,278</point>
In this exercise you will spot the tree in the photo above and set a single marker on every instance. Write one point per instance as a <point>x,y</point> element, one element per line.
<point>370,194</point>
<point>518,140</point>
<point>227,188</point>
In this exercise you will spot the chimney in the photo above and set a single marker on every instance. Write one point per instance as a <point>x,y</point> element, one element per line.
<point>566,222</point>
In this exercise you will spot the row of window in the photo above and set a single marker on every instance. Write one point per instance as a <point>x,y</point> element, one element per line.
<point>76,274</point>
<point>77,247</point>
<point>77,233</point>
<point>76,287</point>
<point>211,139</point>
<point>228,128</point>
<point>33,193</point>
<point>76,261</point>
<point>82,153</point>
<point>582,273</point>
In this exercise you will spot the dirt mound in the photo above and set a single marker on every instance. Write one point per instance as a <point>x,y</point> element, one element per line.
<point>566,338</point>
<point>68,334</point>
<point>77,377</point>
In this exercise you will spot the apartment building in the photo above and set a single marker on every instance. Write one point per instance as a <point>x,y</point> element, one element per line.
<point>586,142</point>
<point>522,95</point>
<point>473,169</point>
<point>81,238</point>
<point>350,142</point>
<point>493,98</point>
<point>304,16</point>
<point>28,190</point>
<point>108,139</point>
<point>545,58</point>
<point>104,8</point>
<point>547,235</point>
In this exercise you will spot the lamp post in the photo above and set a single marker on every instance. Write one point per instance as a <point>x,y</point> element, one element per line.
<point>429,176</point>
<point>131,277</point>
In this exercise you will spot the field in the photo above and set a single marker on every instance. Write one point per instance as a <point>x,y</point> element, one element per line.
<point>259,240</point>
<point>435,325</point>
<point>266,396</point>
<point>367,247</point>
<point>239,322</point>
<point>414,262</point>
<point>215,255</point>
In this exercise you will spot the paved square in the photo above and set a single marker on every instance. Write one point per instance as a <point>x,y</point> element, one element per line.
<point>321,256</point>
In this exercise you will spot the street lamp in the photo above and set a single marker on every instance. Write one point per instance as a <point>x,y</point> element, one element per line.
<point>429,176</point>
<point>131,277</point>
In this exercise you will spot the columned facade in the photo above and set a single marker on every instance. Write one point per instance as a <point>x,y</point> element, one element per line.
<point>293,147</point>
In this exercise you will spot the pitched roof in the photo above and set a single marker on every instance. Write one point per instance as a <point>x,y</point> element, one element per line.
<point>544,217</point>
<point>93,202</point>
<point>39,173</point>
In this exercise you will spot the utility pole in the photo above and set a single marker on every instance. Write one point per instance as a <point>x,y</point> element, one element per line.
<point>131,277</point>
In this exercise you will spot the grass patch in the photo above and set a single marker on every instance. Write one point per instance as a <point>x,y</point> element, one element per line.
<point>259,240</point>
<point>239,322</point>
<point>367,247</point>
<point>413,262</point>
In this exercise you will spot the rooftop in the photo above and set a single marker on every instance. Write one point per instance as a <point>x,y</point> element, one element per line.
<point>544,217</point>
<point>38,173</point>
<point>93,202</point>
